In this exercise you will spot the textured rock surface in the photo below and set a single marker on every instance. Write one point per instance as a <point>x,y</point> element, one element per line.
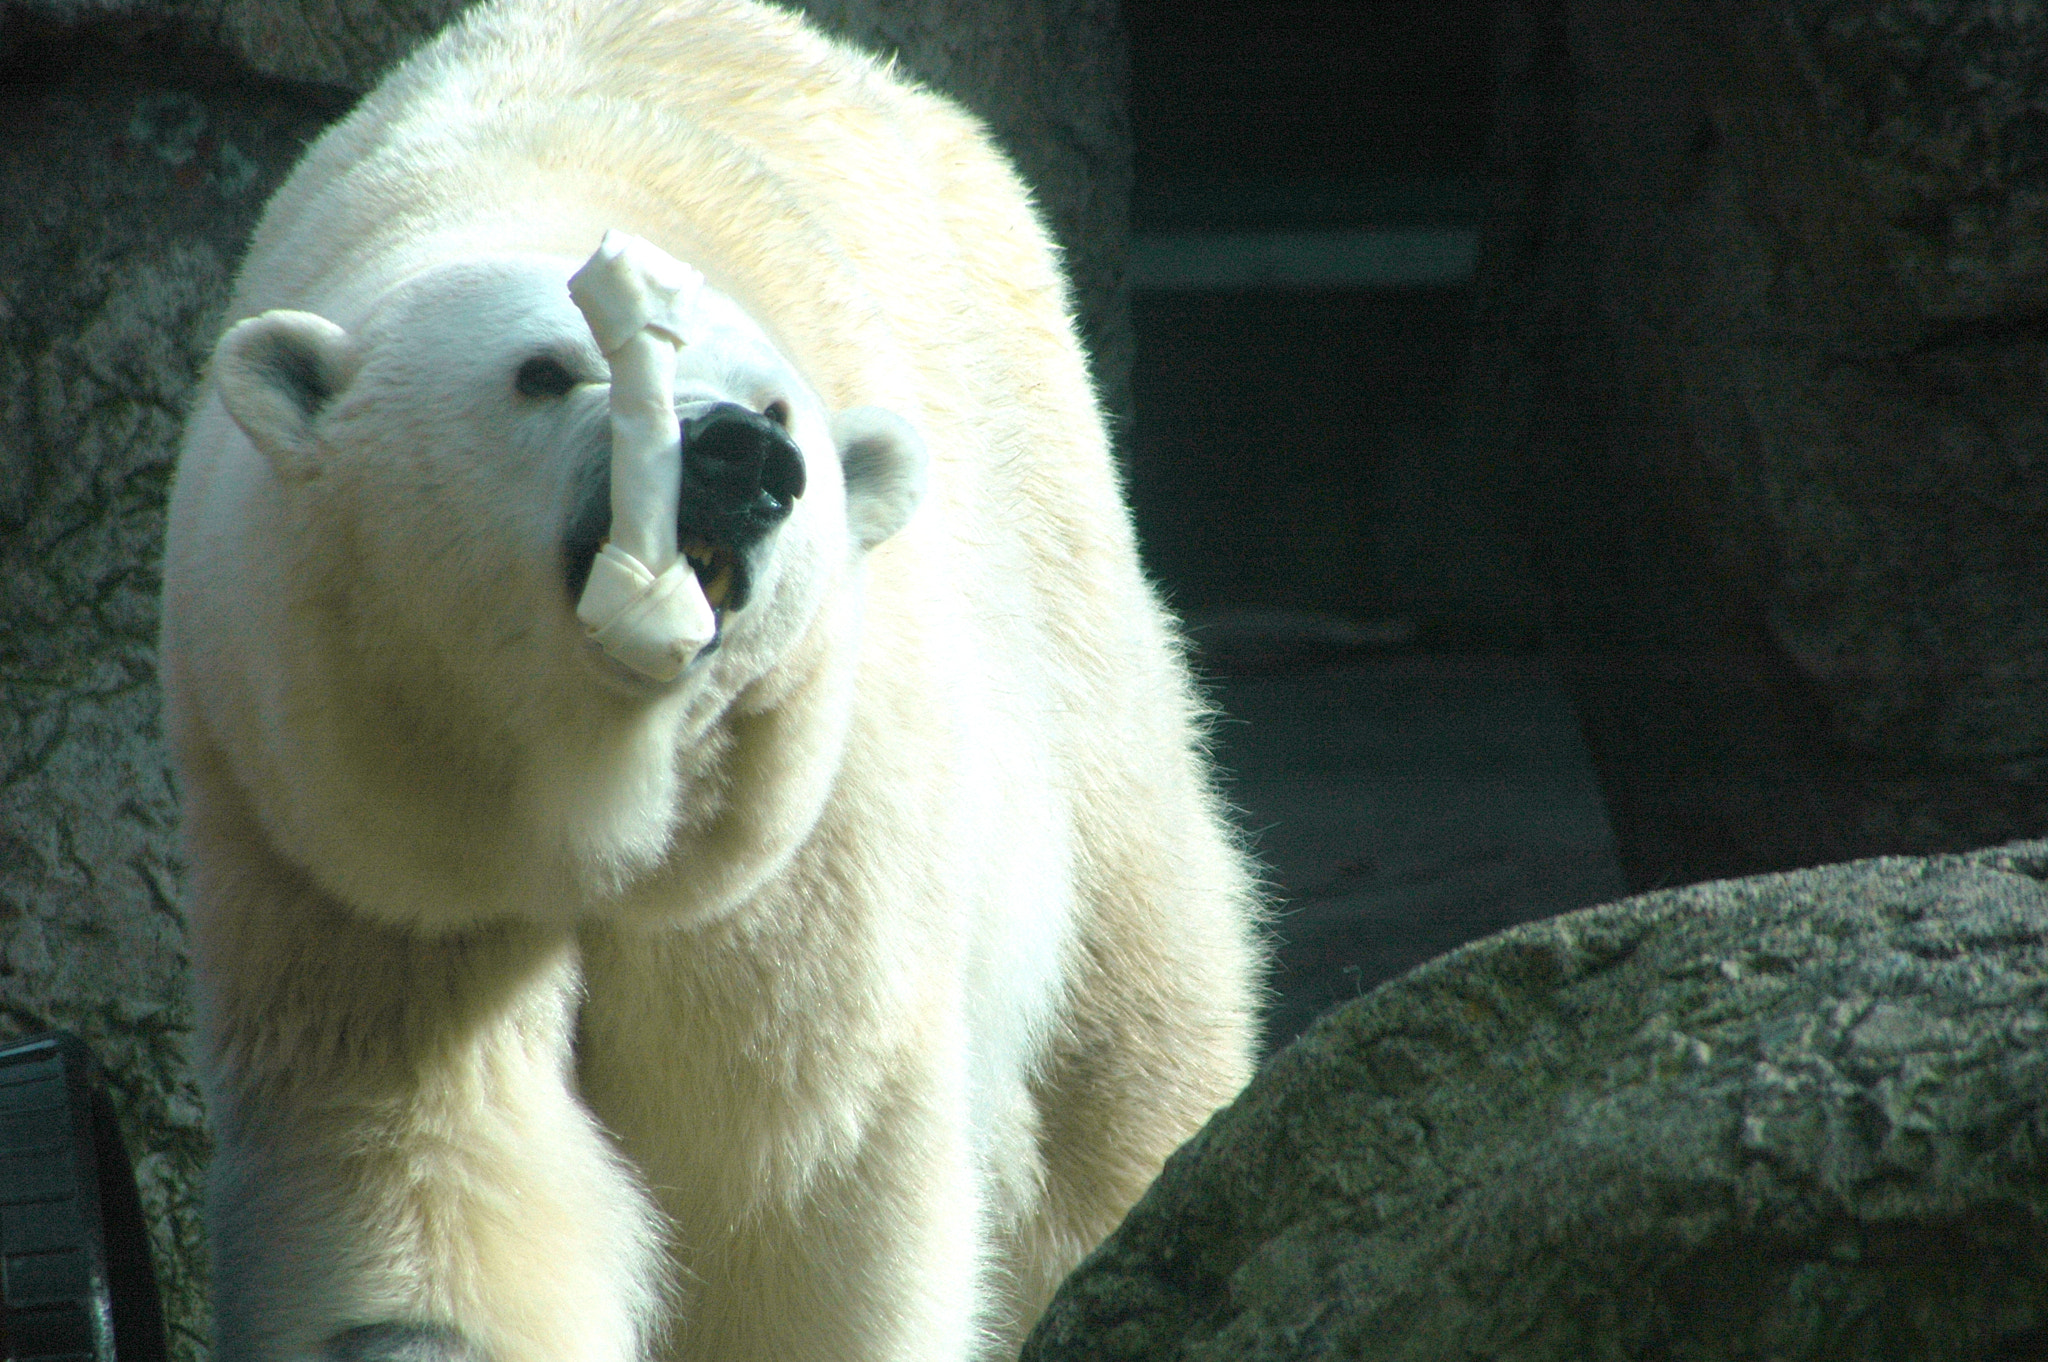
<point>141,139</point>
<point>126,187</point>
<point>1758,363</point>
<point>1795,1117</point>
<point>1861,355</point>
<point>1939,113</point>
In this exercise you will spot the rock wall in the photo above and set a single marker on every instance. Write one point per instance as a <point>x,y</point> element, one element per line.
<point>126,187</point>
<point>140,141</point>
<point>1796,1117</point>
<point>1760,358</point>
<point>1861,356</point>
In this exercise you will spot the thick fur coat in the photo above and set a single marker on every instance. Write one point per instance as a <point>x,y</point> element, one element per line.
<point>827,1002</point>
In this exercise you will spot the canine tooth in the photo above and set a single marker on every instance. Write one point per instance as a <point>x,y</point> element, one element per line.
<point>716,590</point>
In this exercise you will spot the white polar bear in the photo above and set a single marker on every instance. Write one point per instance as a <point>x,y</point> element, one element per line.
<point>826,1001</point>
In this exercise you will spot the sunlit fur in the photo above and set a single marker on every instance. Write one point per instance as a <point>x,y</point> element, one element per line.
<point>827,1003</point>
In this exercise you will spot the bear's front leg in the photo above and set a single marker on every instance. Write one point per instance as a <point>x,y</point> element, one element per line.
<point>877,1258</point>
<point>811,1143</point>
<point>403,1172</point>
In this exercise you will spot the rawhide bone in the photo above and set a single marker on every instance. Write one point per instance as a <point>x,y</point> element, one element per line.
<point>642,603</point>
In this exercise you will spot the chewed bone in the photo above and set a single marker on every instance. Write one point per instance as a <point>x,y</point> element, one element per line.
<point>642,603</point>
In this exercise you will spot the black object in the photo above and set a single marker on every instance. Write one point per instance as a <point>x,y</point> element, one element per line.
<point>394,1341</point>
<point>741,472</point>
<point>75,1277</point>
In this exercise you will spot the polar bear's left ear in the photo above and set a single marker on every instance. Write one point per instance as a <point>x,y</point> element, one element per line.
<point>275,372</point>
<point>884,462</point>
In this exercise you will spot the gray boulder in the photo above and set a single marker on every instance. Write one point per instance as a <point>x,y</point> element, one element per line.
<point>1795,1117</point>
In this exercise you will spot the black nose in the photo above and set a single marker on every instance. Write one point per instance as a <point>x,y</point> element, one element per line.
<point>741,474</point>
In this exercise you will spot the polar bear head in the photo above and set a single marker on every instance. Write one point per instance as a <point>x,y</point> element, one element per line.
<point>438,478</point>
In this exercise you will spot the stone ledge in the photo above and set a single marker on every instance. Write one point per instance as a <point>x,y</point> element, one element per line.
<point>1795,1116</point>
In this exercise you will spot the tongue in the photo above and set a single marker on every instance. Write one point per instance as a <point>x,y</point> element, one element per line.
<point>642,603</point>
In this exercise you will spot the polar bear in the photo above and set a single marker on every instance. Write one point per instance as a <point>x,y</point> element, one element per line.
<point>826,999</point>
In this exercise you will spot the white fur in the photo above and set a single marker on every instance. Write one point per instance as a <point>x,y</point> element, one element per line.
<point>827,1002</point>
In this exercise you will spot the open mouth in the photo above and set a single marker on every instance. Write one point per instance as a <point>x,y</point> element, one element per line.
<point>717,570</point>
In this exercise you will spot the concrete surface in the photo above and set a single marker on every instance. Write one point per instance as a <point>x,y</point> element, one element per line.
<point>1404,805</point>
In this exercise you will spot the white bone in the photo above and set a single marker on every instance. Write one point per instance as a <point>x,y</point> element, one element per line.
<point>642,603</point>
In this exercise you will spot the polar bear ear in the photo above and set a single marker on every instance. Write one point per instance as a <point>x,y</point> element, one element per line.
<point>883,459</point>
<point>275,372</point>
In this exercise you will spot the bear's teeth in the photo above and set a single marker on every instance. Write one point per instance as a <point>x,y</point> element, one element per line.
<point>719,587</point>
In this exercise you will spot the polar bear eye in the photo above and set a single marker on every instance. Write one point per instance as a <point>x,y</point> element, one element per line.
<point>778,412</point>
<point>543,376</point>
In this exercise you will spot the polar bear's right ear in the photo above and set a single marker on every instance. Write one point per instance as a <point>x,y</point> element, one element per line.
<point>884,461</point>
<point>275,372</point>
